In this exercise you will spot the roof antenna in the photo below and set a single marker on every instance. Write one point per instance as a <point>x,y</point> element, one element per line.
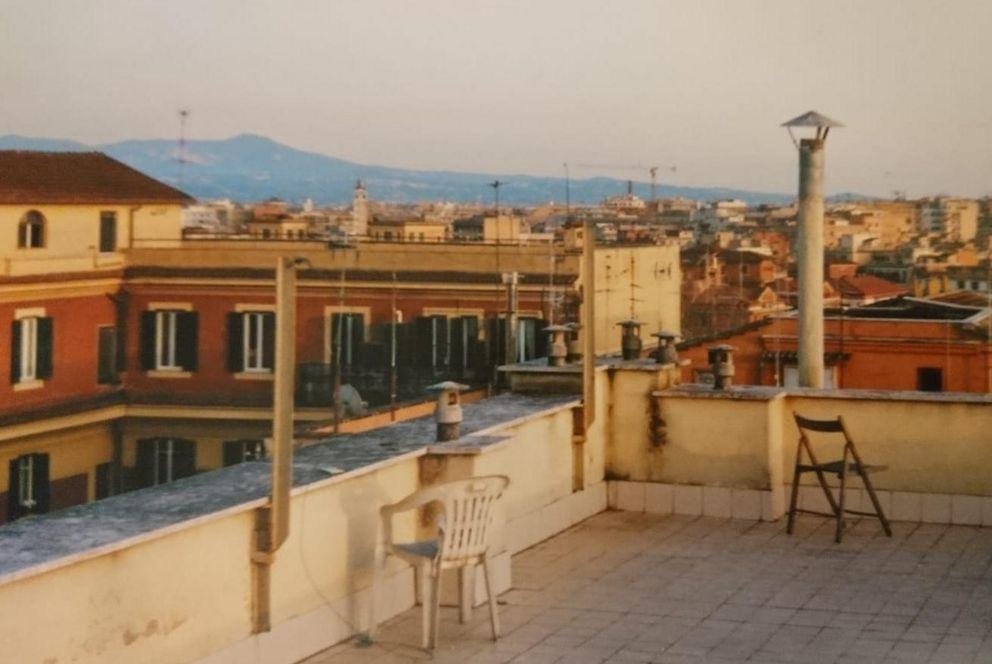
<point>181,154</point>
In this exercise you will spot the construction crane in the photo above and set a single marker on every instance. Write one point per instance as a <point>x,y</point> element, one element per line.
<point>652,171</point>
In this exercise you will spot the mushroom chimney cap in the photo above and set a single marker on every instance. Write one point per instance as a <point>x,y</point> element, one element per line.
<point>812,119</point>
<point>446,386</point>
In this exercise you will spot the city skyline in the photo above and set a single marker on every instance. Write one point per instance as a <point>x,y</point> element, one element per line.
<point>523,89</point>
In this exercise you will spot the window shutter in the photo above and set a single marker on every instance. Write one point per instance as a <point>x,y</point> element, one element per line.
<point>186,340</point>
<point>357,330</point>
<point>183,458</point>
<point>45,349</point>
<point>22,235</point>
<point>148,340</point>
<point>332,338</point>
<point>269,340</point>
<point>235,342</point>
<point>15,351</point>
<point>13,490</point>
<point>422,340</point>
<point>458,345</point>
<point>541,339</point>
<point>42,487</point>
<point>441,331</point>
<point>233,452</point>
<point>145,462</point>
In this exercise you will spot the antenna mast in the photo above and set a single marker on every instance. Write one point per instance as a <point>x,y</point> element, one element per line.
<point>181,156</point>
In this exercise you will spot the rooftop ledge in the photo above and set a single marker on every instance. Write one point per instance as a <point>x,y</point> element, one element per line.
<point>41,543</point>
<point>768,393</point>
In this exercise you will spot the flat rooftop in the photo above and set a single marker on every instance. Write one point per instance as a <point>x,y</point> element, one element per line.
<point>634,587</point>
<point>89,528</point>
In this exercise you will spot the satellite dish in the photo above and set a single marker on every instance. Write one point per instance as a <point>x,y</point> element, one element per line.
<point>350,402</point>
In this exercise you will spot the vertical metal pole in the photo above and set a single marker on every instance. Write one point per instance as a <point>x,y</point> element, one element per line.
<point>589,322</point>
<point>282,420</point>
<point>510,279</point>
<point>336,359</point>
<point>811,262</point>
<point>392,353</point>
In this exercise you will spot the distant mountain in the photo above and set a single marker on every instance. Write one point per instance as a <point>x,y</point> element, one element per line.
<point>252,168</point>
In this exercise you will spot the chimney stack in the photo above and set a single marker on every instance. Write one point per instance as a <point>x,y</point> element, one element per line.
<point>810,259</point>
<point>448,413</point>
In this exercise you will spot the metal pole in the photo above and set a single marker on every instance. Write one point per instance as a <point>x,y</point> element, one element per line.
<point>810,265</point>
<point>336,361</point>
<point>588,322</point>
<point>282,397</point>
<point>392,354</point>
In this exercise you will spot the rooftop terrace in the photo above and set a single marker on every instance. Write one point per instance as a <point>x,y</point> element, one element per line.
<point>692,565</point>
<point>627,587</point>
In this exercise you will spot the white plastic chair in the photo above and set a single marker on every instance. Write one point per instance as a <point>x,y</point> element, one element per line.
<point>462,540</point>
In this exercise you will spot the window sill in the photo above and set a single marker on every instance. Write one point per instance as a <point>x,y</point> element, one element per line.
<point>168,373</point>
<point>25,385</point>
<point>254,375</point>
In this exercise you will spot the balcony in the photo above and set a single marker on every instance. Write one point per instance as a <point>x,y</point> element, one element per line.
<point>653,535</point>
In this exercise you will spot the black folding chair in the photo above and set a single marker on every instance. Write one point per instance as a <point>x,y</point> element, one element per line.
<point>849,463</point>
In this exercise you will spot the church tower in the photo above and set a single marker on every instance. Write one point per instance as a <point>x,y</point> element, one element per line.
<point>360,211</point>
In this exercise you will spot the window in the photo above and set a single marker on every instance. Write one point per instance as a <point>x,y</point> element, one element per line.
<point>432,341</point>
<point>464,336</point>
<point>31,349</point>
<point>108,232</point>
<point>31,230</point>
<point>527,335</point>
<point>346,333</point>
<point>929,379</point>
<point>239,451</point>
<point>251,341</point>
<point>106,371</point>
<point>28,486</point>
<point>168,340</point>
<point>790,376</point>
<point>163,460</point>
<point>105,480</point>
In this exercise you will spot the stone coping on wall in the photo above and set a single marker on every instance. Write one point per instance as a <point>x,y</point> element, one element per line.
<point>603,363</point>
<point>36,544</point>
<point>768,393</point>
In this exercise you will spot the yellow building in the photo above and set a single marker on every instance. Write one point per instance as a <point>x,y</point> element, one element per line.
<point>407,230</point>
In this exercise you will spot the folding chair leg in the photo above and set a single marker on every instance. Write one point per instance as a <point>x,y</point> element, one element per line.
<point>840,501</point>
<point>878,506</point>
<point>491,593</point>
<point>795,497</point>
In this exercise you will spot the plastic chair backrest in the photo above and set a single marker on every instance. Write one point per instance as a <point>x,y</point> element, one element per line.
<point>468,513</point>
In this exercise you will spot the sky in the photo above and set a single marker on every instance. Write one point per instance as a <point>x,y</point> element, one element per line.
<point>524,86</point>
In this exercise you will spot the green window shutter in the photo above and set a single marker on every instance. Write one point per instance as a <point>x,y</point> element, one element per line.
<point>186,339</point>
<point>269,340</point>
<point>183,458</point>
<point>42,484</point>
<point>13,490</point>
<point>233,452</point>
<point>145,462</point>
<point>45,348</point>
<point>235,342</point>
<point>15,351</point>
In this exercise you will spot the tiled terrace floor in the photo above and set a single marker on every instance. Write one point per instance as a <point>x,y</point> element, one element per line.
<point>631,587</point>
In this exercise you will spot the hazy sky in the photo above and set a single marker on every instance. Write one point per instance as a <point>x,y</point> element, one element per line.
<point>523,86</point>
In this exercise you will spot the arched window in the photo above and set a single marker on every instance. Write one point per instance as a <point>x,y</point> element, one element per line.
<point>31,230</point>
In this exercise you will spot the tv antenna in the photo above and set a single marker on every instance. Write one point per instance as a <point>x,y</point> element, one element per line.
<point>181,155</point>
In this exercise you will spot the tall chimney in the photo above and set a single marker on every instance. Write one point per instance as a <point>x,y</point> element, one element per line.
<point>810,245</point>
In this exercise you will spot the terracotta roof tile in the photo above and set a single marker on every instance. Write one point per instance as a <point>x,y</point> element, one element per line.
<point>77,177</point>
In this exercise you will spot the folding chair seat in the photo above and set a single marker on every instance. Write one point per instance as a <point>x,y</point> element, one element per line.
<point>850,463</point>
